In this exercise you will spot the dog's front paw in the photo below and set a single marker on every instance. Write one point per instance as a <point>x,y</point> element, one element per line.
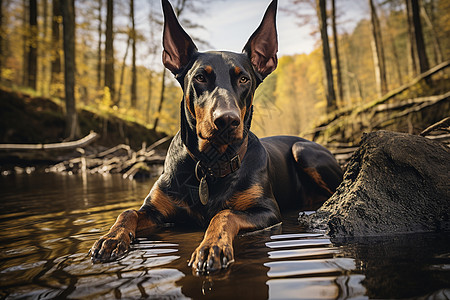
<point>111,246</point>
<point>211,256</point>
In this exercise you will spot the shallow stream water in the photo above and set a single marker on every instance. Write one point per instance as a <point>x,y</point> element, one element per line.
<point>48,222</point>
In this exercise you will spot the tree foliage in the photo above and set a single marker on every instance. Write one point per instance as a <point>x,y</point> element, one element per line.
<point>290,101</point>
<point>299,98</point>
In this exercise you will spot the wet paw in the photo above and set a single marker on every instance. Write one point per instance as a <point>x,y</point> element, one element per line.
<point>211,257</point>
<point>110,246</point>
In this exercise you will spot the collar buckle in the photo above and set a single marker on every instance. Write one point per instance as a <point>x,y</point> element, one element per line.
<point>235,163</point>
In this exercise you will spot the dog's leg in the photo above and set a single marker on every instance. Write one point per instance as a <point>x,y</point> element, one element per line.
<point>157,207</point>
<point>117,241</point>
<point>216,250</point>
<point>320,166</point>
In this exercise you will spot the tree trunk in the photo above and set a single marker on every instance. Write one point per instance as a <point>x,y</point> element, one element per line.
<point>25,37</point>
<point>179,8</point>
<point>329,84</point>
<point>44,53</point>
<point>336,53</point>
<point>99,49</point>
<point>434,36</point>
<point>32,45</point>
<point>56,47</point>
<point>1,36</point>
<point>161,100</point>
<point>83,89</point>
<point>419,57</point>
<point>122,73</point>
<point>418,35</point>
<point>152,52</point>
<point>149,96</point>
<point>396,62</point>
<point>68,10</point>
<point>109,49</point>
<point>133,57</point>
<point>345,72</point>
<point>411,40</point>
<point>378,51</point>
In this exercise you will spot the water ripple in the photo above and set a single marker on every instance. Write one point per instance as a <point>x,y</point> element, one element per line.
<point>302,252</point>
<point>296,235</point>
<point>299,243</point>
<point>309,267</point>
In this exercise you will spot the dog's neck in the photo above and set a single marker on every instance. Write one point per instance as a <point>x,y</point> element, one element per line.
<point>214,162</point>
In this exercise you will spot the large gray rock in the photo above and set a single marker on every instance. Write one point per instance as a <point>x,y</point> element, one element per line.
<point>394,183</point>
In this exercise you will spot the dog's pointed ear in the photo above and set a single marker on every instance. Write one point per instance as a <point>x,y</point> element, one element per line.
<point>178,47</point>
<point>262,46</point>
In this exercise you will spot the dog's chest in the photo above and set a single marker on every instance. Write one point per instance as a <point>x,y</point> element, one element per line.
<point>184,189</point>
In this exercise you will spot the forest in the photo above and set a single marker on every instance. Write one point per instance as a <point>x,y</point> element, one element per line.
<point>389,72</point>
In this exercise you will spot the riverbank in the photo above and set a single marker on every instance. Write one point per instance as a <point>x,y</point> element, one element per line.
<point>25,119</point>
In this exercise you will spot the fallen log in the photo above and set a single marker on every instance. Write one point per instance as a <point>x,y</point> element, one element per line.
<point>430,102</point>
<point>443,124</point>
<point>385,98</point>
<point>334,122</point>
<point>92,136</point>
<point>404,87</point>
<point>443,138</point>
<point>410,102</point>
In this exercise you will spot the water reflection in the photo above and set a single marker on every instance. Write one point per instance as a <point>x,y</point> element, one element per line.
<point>304,270</point>
<point>342,287</point>
<point>48,222</point>
<point>400,266</point>
<point>139,274</point>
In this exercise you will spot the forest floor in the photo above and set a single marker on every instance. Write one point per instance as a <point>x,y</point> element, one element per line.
<point>25,119</point>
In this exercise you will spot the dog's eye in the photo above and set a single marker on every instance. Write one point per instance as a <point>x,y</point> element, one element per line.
<point>244,79</point>
<point>200,78</point>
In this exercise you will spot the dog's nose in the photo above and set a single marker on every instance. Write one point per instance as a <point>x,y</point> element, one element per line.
<point>227,120</point>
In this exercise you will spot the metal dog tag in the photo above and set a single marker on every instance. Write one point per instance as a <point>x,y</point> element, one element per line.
<point>203,191</point>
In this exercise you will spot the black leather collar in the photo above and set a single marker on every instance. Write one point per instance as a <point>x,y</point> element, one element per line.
<point>222,166</point>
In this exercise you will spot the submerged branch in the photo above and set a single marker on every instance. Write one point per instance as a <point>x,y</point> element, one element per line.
<point>120,159</point>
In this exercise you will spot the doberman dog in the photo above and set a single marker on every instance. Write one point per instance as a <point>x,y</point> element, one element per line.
<point>217,173</point>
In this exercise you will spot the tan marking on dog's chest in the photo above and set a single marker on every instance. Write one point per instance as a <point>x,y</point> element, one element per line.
<point>246,199</point>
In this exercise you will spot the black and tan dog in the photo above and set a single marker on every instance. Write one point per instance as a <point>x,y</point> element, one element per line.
<point>217,173</point>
